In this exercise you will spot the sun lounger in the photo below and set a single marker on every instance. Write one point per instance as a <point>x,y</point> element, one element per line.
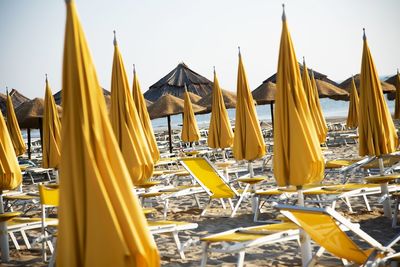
<point>240,239</point>
<point>323,226</point>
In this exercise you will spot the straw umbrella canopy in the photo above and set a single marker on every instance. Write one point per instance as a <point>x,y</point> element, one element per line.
<point>248,142</point>
<point>126,124</point>
<point>313,105</point>
<point>193,97</point>
<point>352,116</point>
<point>51,131</point>
<point>173,84</point>
<point>386,88</point>
<point>167,106</point>
<point>10,178</point>
<point>101,222</point>
<point>190,130</point>
<point>377,133</point>
<point>13,129</point>
<point>148,103</point>
<point>16,97</point>
<point>141,107</point>
<point>220,133</point>
<point>58,96</point>
<point>397,99</point>
<point>298,158</point>
<point>229,99</point>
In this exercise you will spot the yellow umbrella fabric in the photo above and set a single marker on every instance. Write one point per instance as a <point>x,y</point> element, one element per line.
<point>297,153</point>
<point>313,105</point>
<point>127,126</point>
<point>352,116</point>
<point>322,122</point>
<point>51,131</point>
<point>190,130</point>
<point>397,100</point>
<point>220,133</point>
<point>248,142</point>
<point>377,134</point>
<point>141,107</point>
<point>13,129</point>
<point>10,173</point>
<point>101,222</point>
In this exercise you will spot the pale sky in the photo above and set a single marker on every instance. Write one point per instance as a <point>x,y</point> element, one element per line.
<point>158,34</point>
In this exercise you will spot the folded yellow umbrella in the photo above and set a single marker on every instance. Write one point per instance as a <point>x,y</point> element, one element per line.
<point>190,130</point>
<point>313,104</point>
<point>352,116</point>
<point>248,141</point>
<point>127,126</point>
<point>13,129</point>
<point>51,131</point>
<point>141,108</point>
<point>297,153</point>
<point>101,222</point>
<point>322,121</point>
<point>397,100</point>
<point>220,133</point>
<point>377,134</point>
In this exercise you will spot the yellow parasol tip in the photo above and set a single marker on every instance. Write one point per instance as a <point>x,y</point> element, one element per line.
<point>304,61</point>
<point>68,1</point>
<point>283,13</point>
<point>134,69</point>
<point>46,76</point>
<point>239,51</point>
<point>364,36</point>
<point>214,69</point>
<point>7,90</point>
<point>115,37</point>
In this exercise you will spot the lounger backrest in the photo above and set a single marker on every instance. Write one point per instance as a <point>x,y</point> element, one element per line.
<point>323,229</point>
<point>48,195</point>
<point>208,178</point>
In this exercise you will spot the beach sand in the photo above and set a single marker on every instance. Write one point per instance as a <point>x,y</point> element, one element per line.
<point>283,254</point>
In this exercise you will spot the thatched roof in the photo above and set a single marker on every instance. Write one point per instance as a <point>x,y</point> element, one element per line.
<point>228,96</point>
<point>169,105</point>
<point>29,113</point>
<point>265,93</point>
<point>328,90</point>
<point>57,96</point>
<point>346,85</point>
<point>16,97</point>
<point>317,76</point>
<point>193,97</point>
<point>148,103</point>
<point>173,84</point>
<point>391,80</point>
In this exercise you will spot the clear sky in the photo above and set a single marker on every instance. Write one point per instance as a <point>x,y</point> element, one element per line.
<point>158,34</point>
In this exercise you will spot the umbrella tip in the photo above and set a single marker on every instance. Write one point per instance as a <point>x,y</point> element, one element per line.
<point>6,90</point>
<point>214,69</point>
<point>283,13</point>
<point>68,1</point>
<point>304,61</point>
<point>364,35</point>
<point>115,37</point>
<point>239,50</point>
<point>134,69</point>
<point>46,76</point>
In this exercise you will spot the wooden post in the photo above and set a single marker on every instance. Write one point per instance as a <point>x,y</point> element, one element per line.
<point>29,143</point>
<point>169,133</point>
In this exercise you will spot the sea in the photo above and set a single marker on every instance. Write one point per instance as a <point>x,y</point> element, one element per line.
<point>330,108</point>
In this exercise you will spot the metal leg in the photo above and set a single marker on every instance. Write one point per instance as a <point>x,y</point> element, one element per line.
<point>178,244</point>
<point>14,240</point>
<point>204,256</point>
<point>222,203</point>
<point>366,202</point>
<point>240,259</point>
<point>205,208</point>
<point>196,198</point>
<point>26,240</point>
<point>257,211</point>
<point>240,200</point>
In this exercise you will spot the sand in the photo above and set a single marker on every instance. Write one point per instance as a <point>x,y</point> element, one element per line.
<point>283,254</point>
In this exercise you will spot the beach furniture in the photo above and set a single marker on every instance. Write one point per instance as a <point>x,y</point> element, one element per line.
<point>173,227</point>
<point>49,197</point>
<point>324,226</point>
<point>240,239</point>
<point>214,184</point>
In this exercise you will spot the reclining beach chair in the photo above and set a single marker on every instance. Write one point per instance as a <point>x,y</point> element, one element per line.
<point>324,227</point>
<point>239,239</point>
<point>214,184</point>
<point>173,227</point>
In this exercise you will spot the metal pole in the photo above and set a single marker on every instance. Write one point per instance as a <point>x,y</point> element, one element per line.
<point>272,116</point>
<point>5,250</point>
<point>305,243</point>
<point>169,133</point>
<point>387,209</point>
<point>29,143</point>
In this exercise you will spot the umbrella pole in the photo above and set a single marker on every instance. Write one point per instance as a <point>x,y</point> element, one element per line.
<point>272,116</point>
<point>5,250</point>
<point>253,199</point>
<point>41,132</point>
<point>223,155</point>
<point>385,191</point>
<point>169,133</point>
<point>305,243</point>
<point>29,143</point>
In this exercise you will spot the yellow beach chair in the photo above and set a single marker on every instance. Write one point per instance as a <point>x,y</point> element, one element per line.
<point>239,239</point>
<point>326,227</point>
<point>214,184</point>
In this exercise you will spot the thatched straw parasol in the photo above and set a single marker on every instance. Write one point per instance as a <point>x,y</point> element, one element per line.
<point>228,96</point>
<point>148,103</point>
<point>3,103</point>
<point>392,81</point>
<point>387,88</point>
<point>328,90</point>
<point>193,97</point>
<point>57,97</point>
<point>16,97</point>
<point>169,105</point>
<point>173,84</point>
<point>265,94</point>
